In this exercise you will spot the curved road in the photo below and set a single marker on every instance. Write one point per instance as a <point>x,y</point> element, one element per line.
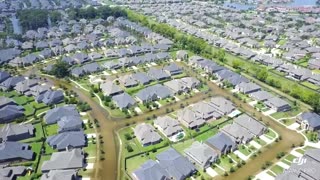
<point>108,168</point>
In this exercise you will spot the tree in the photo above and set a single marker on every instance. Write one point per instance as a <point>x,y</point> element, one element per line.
<point>60,69</point>
<point>262,75</point>
<point>236,64</point>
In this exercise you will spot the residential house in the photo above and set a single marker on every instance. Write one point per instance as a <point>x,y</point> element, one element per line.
<point>314,64</point>
<point>110,89</point>
<point>128,81</point>
<point>16,132</point>
<point>237,133</point>
<point>12,172</point>
<point>158,74</point>
<point>67,140</point>
<point>201,154</point>
<point>177,166</point>
<point>314,79</point>
<point>306,170</point>
<point>261,95</point>
<point>277,104</point>
<point>4,76</point>
<point>23,87</point>
<point>182,55</point>
<point>54,115</point>
<point>60,174</point>
<point>123,100</point>
<point>152,93</point>
<point>150,170</point>
<point>252,125</point>
<point>168,126</point>
<point>15,151</point>
<point>247,88</point>
<point>9,83</point>
<point>72,159</point>
<point>222,143</point>
<point>142,78</point>
<point>190,119</point>
<point>172,69</point>
<point>222,105</point>
<point>146,134</point>
<point>205,111</point>
<point>70,123</point>
<point>309,121</point>
<point>50,97</point>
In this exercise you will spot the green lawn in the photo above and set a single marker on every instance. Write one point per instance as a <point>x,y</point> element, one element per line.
<point>310,85</point>
<point>181,146</point>
<point>288,122</point>
<point>91,149</point>
<point>29,110</point>
<point>287,114</point>
<point>225,163</point>
<point>277,169</point>
<point>260,141</point>
<point>312,136</point>
<point>301,151</point>
<point>38,133</point>
<point>290,157</point>
<point>51,129</point>
<point>270,133</point>
<point>244,150</point>
<point>42,159</point>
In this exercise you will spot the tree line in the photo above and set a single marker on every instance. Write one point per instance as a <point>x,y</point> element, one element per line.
<point>201,47</point>
<point>92,13</point>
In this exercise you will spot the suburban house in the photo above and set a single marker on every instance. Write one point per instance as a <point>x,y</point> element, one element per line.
<point>261,95</point>
<point>222,143</point>
<point>142,78</point>
<point>50,97</point>
<point>73,159</point>
<point>307,170</point>
<point>16,132</point>
<point>11,82</point>
<point>247,88</point>
<point>128,81</point>
<point>172,69</point>
<point>158,74</point>
<point>4,76</point>
<point>205,111</point>
<point>9,110</point>
<point>60,174</point>
<point>168,126</point>
<point>15,151</point>
<point>309,121</point>
<point>11,173</point>
<point>182,85</point>
<point>123,100</point>
<point>110,89</point>
<point>314,64</point>
<point>252,125</point>
<point>67,140</point>
<point>146,134</point>
<point>153,93</point>
<point>238,133</point>
<point>23,87</point>
<point>150,170</point>
<point>56,114</point>
<point>69,123</point>
<point>190,119</point>
<point>222,105</point>
<point>201,154</point>
<point>277,104</point>
<point>177,166</point>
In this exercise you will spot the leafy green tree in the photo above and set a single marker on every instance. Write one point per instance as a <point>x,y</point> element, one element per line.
<point>60,69</point>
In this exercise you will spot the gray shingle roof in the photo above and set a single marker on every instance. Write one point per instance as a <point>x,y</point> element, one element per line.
<point>64,160</point>
<point>312,118</point>
<point>255,127</point>
<point>146,134</point>
<point>201,153</point>
<point>168,125</point>
<point>109,88</point>
<point>10,151</point>
<point>143,78</point>
<point>123,100</point>
<point>54,115</point>
<point>150,170</point>
<point>16,132</point>
<point>59,175</point>
<point>221,142</point>
<point>70,123</point>
<point>72,139</point>
<point>153,92</point>
<point>175,164</point>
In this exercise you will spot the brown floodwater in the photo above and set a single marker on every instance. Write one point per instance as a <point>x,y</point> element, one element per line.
<point>107,169</point>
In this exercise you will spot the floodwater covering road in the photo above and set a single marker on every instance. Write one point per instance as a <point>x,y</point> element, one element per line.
<point>110,166</point>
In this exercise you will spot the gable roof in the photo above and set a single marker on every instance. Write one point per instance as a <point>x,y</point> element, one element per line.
<point>221,141</point>
<point>109,88</point>
<point>150,92</point>
<point>150,170</point>
<point>146,133</point>
<point>10,130</point>
<point>15,150</point>
<point>175,164</point>
<point>74,139</point>
<point>64,160</point>
<point>251,124</point>
<point>59,175</point>
<point>312,118</point>
<point>54,115</point>
<point>168,125</point>
<point>201,153</point>
<point>123,100</point>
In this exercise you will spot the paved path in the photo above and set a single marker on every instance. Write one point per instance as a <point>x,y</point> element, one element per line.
<point>295,153</point>
<point>264,176</point>
<point>241,156</point>
<point>267,140</point>
<point>211,172</point>
<point>255,144</point>
<point>283,165</point>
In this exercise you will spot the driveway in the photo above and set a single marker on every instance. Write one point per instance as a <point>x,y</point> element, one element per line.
<point>211,172</point>
<point>267,113</point>
<point>252,103</point>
